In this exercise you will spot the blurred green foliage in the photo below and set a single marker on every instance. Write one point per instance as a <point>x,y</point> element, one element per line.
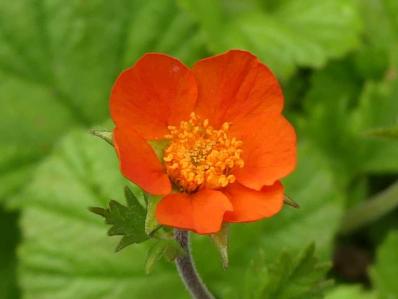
<point>385,269</point>
<point>338,63</point>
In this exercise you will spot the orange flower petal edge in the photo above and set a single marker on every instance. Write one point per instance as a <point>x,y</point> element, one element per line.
<point>201,212</point>
<point>156,92</point>
<point>227,144</point>
<point>251,205</point>
<point>139,163</point>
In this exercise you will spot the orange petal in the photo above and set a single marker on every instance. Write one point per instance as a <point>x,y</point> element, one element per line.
<point>200,212</point>
<point>138,162</point>
<point>156,92</point>
<point>269,150</point>
<point>251,205</point>
<point>235,85</point>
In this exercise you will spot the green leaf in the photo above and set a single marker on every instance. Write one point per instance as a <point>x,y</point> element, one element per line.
<point>10,236</point>
<point>320,211</point>
<point>293,33</point>
<point>58,61</point>
<point>378,108</point>
<point>318,219</point>
<point>353,112</point>
<point>65,251</point>
<point>128,222</point>
<point>380,38</point>
<point>302,277</point>
<point>385,270</point>
<point>333,105</point>
<point>291,276</point>
<point>350,292</point>
<point>381,25</point>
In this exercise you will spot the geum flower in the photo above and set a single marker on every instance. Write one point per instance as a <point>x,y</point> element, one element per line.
<point>227,143</point>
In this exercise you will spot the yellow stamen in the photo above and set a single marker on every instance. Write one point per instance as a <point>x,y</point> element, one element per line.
<point>200,156</point>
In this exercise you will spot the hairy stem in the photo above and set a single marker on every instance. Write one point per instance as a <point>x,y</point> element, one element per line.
<point>187,270</point>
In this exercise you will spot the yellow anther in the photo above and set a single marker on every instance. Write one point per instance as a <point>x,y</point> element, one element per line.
<point>225,126</point>
<point>200,156</point>
<point>168,158</point>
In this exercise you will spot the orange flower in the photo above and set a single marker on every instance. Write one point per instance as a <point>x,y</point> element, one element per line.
<point>227,143</point>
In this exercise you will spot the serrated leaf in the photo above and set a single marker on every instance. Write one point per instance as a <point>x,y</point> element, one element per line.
<point>385,270</point>
<point>280,36</point>
<point>317,220</point>
<point>65,252</point>
<point>291,276</point>
<point>128,222</point>
<point>53,264</point>
<point>302,277</point>
<point>58,61</point>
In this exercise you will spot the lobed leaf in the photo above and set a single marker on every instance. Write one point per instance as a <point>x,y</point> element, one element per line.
<point>58,61</point>
<point>128,222</point>
<point>292,33</point>
<point>65,252</point>
<point>291,276</point>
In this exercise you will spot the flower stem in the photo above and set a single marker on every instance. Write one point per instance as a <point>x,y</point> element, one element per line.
<point>186,268</point>
<point>370,210</point>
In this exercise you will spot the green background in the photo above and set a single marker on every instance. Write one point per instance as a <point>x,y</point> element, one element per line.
<point>338,63</point>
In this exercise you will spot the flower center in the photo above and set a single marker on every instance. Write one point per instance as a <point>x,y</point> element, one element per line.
<point>201,156</point>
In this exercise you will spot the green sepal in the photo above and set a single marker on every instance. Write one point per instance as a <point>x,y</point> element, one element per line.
<point>168,249</point>
<point>151,224</point>
<point>173,250</point>
<point>127,221</point>
<point>159,146</point>
<point>106,135</point>
<point>290,202</point>
<point>162,233</point>
<point>220,239</point>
